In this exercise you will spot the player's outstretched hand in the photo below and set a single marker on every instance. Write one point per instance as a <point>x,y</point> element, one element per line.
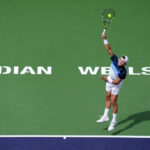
<point>103,78</point>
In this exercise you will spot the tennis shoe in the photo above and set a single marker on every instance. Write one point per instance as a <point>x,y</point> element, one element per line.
<point>112,126</point>
<point>103,119</point>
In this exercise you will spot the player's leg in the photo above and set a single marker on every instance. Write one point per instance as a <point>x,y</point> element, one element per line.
<point>108,104</point>
<point>115,111</point>
<point>105,117</point>
<point>108,99</point>
<point>114,103</point>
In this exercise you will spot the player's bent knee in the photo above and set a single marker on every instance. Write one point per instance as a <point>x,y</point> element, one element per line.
<point>113,102</point>
<point>108,97</point>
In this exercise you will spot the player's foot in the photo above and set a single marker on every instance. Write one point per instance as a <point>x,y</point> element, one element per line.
<point>103,119</point>
<point>112,126</point>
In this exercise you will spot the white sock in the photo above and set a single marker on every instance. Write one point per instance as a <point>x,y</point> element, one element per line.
<point>106,111</point>
<point>114,118</point>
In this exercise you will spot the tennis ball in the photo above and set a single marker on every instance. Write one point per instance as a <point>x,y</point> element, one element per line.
<point>109,15</point>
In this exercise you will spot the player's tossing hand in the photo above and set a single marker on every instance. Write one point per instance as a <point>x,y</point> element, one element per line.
<point>104,78</point>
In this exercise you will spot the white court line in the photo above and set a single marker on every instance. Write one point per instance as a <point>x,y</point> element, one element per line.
<point>71,136</point>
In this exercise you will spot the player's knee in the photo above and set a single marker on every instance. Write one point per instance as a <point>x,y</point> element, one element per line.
<point>113,102</point>
<point>108,97</point>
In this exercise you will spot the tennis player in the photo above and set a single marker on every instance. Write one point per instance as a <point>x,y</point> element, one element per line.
<point>114,82</point>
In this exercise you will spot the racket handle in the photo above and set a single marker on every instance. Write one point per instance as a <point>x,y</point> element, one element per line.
<point>104,31</point>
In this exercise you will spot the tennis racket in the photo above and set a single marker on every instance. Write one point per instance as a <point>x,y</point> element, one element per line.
<point>108,16</point>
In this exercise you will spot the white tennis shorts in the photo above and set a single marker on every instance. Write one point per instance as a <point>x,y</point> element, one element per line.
<point>112,88</point>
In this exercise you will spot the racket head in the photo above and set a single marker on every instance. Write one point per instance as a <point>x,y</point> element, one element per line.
<point>108,16</point>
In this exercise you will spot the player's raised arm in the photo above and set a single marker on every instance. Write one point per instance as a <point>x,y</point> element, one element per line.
<point>107,46</point>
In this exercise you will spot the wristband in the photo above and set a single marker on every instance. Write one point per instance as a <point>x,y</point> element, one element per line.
<point>109,80</point>
<point>105,41</point>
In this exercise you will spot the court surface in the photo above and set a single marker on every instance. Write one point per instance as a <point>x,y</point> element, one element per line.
<point>64,35</point>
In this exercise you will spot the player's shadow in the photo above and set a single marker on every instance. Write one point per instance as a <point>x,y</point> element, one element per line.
<point>135,118</point>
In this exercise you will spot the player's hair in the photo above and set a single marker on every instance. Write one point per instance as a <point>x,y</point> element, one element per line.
<point>124,59</point>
